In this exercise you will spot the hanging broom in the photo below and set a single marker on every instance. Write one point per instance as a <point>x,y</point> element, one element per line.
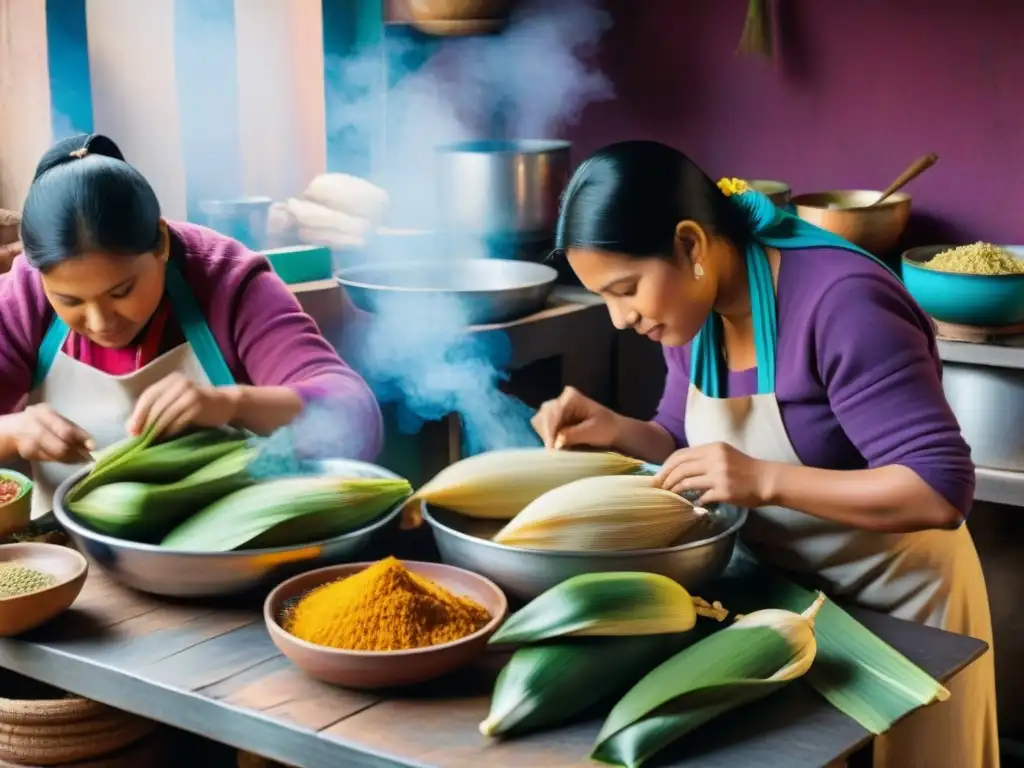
<point>757,30</point>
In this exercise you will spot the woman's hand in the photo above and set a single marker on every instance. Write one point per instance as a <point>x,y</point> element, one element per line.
<point>39,433</point>
<point>176,403</point>
<point>722,473</point>
<point>574,419</point>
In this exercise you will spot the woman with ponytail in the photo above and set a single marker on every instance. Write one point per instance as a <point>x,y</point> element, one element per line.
<point>804,384</point>
<point>117,320</point>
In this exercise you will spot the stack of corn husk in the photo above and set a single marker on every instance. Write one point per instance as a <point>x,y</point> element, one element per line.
<point>196,493</point>
<point>565,501</point>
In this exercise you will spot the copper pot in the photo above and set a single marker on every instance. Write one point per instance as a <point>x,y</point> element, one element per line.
<point>852,215</point>
<point>459,17</point>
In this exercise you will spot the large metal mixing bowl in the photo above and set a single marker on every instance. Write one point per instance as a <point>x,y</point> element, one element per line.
<point>526,573</point>
<point>174,573</point>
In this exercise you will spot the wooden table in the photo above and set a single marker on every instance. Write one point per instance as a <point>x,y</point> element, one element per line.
<point>215,672</point>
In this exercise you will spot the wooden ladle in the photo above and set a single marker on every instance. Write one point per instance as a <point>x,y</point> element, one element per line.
<point>914,170</point>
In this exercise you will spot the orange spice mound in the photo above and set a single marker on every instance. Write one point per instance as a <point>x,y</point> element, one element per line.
<point>384,608</point>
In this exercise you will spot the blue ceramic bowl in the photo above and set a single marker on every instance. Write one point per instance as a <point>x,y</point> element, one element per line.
<point>988,301</point>
<point>301,263</point>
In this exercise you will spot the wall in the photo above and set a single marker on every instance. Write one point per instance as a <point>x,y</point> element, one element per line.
<point>860,90</point>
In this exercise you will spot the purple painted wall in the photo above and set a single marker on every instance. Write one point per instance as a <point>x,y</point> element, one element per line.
<point>858,90</point>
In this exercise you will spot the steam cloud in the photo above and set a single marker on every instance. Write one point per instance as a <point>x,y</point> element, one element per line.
<point>529,82</point>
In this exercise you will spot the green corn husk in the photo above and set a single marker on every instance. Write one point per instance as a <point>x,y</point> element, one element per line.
<point>546,685</point>
<point>606,605</point>
<point>293,510</point>
<point>858,673</point>
<point>757,30</point>
<point>146,512</point>
<point>136,459</point>
<point>744,662</point>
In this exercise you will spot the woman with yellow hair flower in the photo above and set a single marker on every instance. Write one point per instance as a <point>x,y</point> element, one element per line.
<point>804,384</point>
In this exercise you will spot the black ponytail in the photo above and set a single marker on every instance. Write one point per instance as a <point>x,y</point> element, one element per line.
<point>85,197</point>
<point>628,198</point>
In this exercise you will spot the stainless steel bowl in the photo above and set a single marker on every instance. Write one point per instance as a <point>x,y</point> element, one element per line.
<point>526,573</point>
<point>174,573</point>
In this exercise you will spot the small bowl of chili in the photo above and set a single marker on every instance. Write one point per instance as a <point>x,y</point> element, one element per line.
<point>15,501</point>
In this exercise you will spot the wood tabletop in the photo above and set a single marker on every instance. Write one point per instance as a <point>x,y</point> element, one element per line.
<point>215,672</point>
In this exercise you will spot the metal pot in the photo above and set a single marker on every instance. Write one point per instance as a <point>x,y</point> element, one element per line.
<point>989,404</point>
<point>243,218</point>
<point>503,188</point>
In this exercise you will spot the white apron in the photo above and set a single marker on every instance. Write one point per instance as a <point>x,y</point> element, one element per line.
<point>932,577</point>
<point>100,403</point>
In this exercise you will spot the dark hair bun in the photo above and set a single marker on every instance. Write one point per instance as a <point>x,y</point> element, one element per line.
<point>76,148</point>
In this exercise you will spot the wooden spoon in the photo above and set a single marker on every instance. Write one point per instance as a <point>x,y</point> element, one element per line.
<point>914,170</point>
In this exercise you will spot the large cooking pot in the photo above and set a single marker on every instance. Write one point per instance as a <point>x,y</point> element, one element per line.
<point>503,188</point>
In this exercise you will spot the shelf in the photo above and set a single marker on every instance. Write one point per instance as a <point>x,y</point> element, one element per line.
<point>999,486</point>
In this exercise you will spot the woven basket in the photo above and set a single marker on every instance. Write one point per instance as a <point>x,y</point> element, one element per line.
<point>148,753</point>
<point>45,727</point>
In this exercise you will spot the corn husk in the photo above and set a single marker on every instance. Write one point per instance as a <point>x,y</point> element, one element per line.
<point>858,673</point>
<point>606,605</point>
<point>616,513</point>
<point>757,35</point>
<point>146,512</point>
<point>548,684</point>
<point>748,660</point>
<point>497,485</point>
<point>138,459</point>
<point>295,510</point>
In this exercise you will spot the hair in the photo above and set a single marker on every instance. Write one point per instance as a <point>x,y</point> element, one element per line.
<point>85,197</point>
<point>628,198</point>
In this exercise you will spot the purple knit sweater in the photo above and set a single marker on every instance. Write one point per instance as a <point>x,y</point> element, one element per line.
<point>858,376</point>
<point>265,337</point>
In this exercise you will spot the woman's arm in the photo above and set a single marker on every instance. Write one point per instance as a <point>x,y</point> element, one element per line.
<point>23,308</point>
<point>291,366</point>
<point>880,370</point>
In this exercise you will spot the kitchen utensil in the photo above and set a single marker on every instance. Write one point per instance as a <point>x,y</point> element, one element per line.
<point>778,192</point>
<point>459,17</point>
<point>989,405</point>
<point>301,263</point>
<point>488,290</point>
<point>852,214</point>
<point>17,513</point>
<point>506,188</point>
<point>526,573</point>
<point>24,612</point>
<point>385,669</point>
<point>978,300</point>
<point>914,170</point>
<point>244,219</point>
<point>154,569</point>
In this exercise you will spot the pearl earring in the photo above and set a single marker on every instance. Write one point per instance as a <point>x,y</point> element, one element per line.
<point>698,271</point>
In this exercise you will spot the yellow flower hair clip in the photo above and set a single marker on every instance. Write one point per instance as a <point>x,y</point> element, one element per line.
<point>732,187</point>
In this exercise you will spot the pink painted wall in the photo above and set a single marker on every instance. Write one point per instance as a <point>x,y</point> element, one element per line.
<point>859,90</point>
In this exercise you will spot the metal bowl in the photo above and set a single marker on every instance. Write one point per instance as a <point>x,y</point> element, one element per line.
<point>526,573</point>
<point>175,573</point>
<point>987,301</point>
<point>485,290</point>
<point>850,214</point>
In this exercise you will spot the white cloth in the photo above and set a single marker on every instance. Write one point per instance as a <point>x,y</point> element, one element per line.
<point>931,577</point>
<point>99,403</point>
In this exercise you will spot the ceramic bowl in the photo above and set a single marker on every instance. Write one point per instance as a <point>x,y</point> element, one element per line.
<point>24,612</point>
<point>849,213</point>
<point>369,670</point>
<point>988,301</point>
<point>16,514</point>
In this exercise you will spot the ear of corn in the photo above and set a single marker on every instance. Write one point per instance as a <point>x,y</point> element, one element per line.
<point>605,604</point>
<point>746,661</point>
<point>146,512</point>
<point>858,673</point>
<point>137,459</point>
<point>545,685</point>
<point>288,511</point>
<point>613,513</point>
<point>498,484</point>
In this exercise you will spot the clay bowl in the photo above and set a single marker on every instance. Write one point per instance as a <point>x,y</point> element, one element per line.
<point>24,612</point>
<point>459,17</point>
<point>849,214</point>
<point>370,670</point>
